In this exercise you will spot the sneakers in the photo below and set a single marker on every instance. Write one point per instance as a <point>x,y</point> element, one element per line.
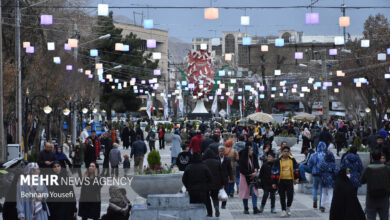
<point>284,214</point>
<point>216,213</point>
<point>256,211</point>
<point>288,211</point>
<point>246,211</point>
<point>315,204</point>
<point>322,209</point>
<point>261,209</point>
<point>273,210</point>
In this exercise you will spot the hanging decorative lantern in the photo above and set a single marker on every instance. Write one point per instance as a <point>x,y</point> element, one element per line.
<point>365,43</point>
<point>381,56</point>
<point>203,46</point>
<point>69,67</point>
<point>312,18</point>
<point>93,53</point>
<point>298,55</point>
<point>228,57</point>
<point>46,19</point>
<point>30,49</point>
<point>332,52</point>
<point>279,42</point>
<point>67,47</point>
<point>103,9</point>
<point>50,46</point>
<point>73,43</point>
<point>344,21</point>
<point>156,55</point>
<point>26,44</point>
<point>246,41</point>
<point>211,13</point>
<point>118,46</point>
<point>157,72</point>
<point>57,60</point>
<point>99,66</point>
<point>278,73</point>
<point>245,20</point>
<point>151,43</point>
<point>264,48</point>
<point>216,41</point>
<point>339,40</point>
<point>148,24</point>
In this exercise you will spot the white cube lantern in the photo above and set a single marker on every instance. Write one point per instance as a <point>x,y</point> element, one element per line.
<point>118,46</point>
<point>245,20</point>
<point>365,43</point>
<point>156,55</point>
<point>103,9</point>
<point>339,40</point>
<point>278,73</point>
<point>381,56</point>
<point>203,46</point>
<point>228,57</point>
<point>215,41</point>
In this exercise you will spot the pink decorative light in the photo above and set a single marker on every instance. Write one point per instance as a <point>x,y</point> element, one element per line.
<point>143,81</point>
<point>339,84</point>
<point>298,55</point>
<point>67,47</point>
<point>157,72</point>
<point>90,76</point>
<point>30,49</point>
<point>69,67</point>
<point>332,52</point>
<point>151,43</point>
<point>312,18</point>
<point>46,19</point>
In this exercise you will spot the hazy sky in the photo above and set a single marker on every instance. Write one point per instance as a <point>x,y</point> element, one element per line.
<point>186,24</point>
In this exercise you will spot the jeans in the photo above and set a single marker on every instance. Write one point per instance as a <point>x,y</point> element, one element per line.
<point>173,160</point>
<point>161,142</point>
<point>229,188</point>
<point>265,197</point>
<point>380,206</point>
<point>254,200</point>
<point>326,192</point>
<point>286,187</point>
<point>303,168</point>
<point>316,186</point>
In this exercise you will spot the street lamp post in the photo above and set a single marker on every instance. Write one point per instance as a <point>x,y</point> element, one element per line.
<point>47,109</point>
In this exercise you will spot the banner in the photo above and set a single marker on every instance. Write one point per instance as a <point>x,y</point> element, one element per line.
<point>149,107</point>
<point>214,107</point>
<point>228,109</point>
<point>257,102</point>
<point>166,110</point>
<point>181,103</point>
<point>231,95</point>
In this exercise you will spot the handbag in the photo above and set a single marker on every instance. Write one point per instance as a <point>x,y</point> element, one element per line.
<point>222,195</point>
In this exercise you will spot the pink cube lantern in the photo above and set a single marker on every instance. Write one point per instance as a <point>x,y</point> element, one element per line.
<point>339,84</point>
<point>30,49</point>
<point>157,72</point>
<point>46,19</point>
<point>90,76</point>
<point>151,43</point>
<point>69,67</point>
<point>298,55</point>
<point>332,52</point>
<point>312,18</point>
<point>67,47</point>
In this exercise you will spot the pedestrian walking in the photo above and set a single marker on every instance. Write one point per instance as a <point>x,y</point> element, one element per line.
<point>90,200</point>
<point>196,179</point>
<point>328,173</point>
<point>61,208</point>
<point>195,144</point>
<point>77,161</point>
<point>107,142</point>
<point>232,154</point>
<point>119,206</point>
<point>161,136</point>
<point>266,182</point>
<point>138,151</point>
<point>377,178</point>
<point>285,174</point>
<point>62,158</point>
<point>125,136</point>
<point>306,137</point>
<point>92,148</point>
<point>226,171</point>
<point>214,165</point>
<point>314,164</point>
<point>115,159</point>
<point>345,203</point>
<point>249,167</point>
<point>176,147</point>
<point>151,138</point>
<point>126,164</point>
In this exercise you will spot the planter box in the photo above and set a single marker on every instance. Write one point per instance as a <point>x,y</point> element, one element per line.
<point>291,141</point>
<point>145,185</point>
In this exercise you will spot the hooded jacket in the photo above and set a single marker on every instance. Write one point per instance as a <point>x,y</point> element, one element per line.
<point>328,170</point>
<point>212,162</point>
<point>197,176</point>
<point>352,161</point>
<point>316,158</point>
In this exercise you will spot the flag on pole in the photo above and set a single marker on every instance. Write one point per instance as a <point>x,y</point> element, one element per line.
<point>166,110</point>
<point>149,107</point>
<point>231,95</point>
<point>241,109</point>
<point>227,109</point>
<point>257,102</point>
<point>214,107</point>
<point>181,103</point>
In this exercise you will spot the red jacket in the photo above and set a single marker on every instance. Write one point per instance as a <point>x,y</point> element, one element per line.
<point>195,143</point>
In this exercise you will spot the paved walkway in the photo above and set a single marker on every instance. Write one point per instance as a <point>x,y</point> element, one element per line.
<point>301,208</point>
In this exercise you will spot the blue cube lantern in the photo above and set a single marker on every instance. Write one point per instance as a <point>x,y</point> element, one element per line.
<point>279,42</point>
<point>93,53</point>
<point>148,24</point>
<point>246,41</point>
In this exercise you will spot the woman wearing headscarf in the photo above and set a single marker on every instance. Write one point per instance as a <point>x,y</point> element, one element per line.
<point>345,203</point>
<point>249,166</point>
<point>231,153</point>
<point>119,206</point>
<point>352,162</point>
<point>176,146</point>
<point>306,137</point>
<point>61,207</point>
<point>31,199</point>
<point>62,158</point>
<point>90,201</point>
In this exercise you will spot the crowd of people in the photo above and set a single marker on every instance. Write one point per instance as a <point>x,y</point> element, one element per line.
<point>236,159</point>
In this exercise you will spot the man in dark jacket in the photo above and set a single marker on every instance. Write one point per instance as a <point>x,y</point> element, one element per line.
<point>107,142</point>
<point>125,136</point>
<point>92,149</point>
<point>226,169</point>
<point>325,136</point>
<point>212,162</point>
<point>371,140</point>
<point>215,144</point>
<point>377,177</point>
<point>196,179</point>
<point>138,151</point>
<point>46,157</point>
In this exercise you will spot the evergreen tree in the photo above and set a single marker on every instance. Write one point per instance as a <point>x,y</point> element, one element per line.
<point>136,63</point>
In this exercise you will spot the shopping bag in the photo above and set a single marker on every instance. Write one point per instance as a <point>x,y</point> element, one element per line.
<point>222,195</point>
